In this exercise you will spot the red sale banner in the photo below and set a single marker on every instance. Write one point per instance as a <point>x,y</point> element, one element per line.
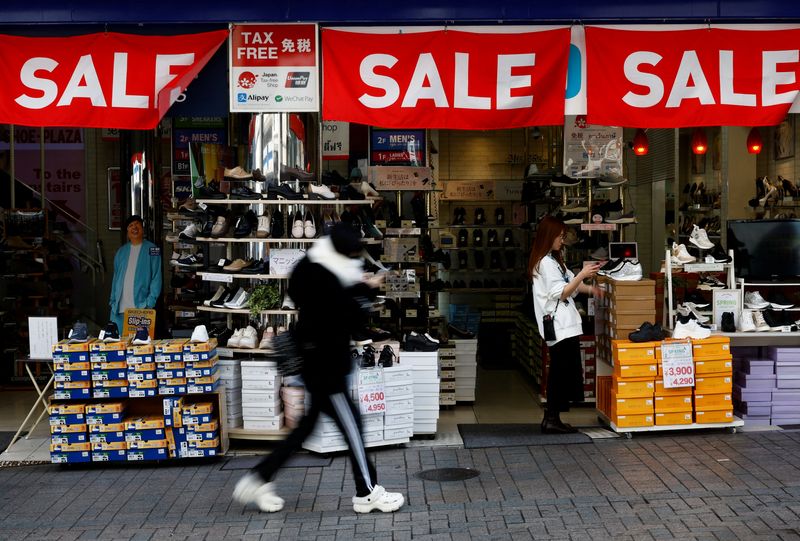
<point>445,78</point>
<point>696,77</point>
<point>104,80</point>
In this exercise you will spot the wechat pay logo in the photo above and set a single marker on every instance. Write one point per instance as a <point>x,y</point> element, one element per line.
<point>279,98</point>
<point>241,97</point>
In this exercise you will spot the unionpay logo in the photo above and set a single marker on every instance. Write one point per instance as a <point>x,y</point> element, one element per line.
<point>247,79</point>
<point>297,79</point>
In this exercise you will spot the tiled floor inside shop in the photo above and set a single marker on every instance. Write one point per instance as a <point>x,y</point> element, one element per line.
<point>502,396</point>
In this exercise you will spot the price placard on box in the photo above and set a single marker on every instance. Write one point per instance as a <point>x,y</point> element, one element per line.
<point>677,364</point>
<point>371,394</point>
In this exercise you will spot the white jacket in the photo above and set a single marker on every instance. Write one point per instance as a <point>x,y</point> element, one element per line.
<point>548,284</point>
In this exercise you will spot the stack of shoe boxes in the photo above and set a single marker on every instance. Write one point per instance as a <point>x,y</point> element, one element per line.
<point>174,430</point>
<point>786,396</point>
<point>69,441</point>
<point>109,369</point>
<point>466,369</point>
<point>293,405</point>
<point>425,373</point>
<point>170,367</point>
<point>230,376</point>
<point>672,405</point>
<point>752,395</point>
<point>72,379</point>
<point>142,371</point>
<point>526,347</point>
<point>202,372</point>
<point>146,438</point>
<point>107,431</point>
<point>713,388</point>
<point>625,307</point>
<point>399,390</point>
<point>261,398</point>
<point>588,356</point>
<point>447,373</point>
<point>202,430</point>
<point>631,402</point>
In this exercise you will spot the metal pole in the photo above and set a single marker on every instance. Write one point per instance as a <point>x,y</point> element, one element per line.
<point>12,165</point>
<point>41,164</point>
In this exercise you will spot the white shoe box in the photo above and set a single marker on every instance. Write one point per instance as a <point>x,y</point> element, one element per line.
<point>399,391</point>
<point>261,410</point>
<point>420,360</point>
<point>259,369</point>
<point>269,423</point>
<point>422,389</point>
<point>447,362</point>
<point>447,385</point>
<point>465,383</point>
<point>396,375</point>
<point>372,436</point>
<point>396,433</point>
<point>447,397</point>
<point>229,370</point>
<point>466,344</point>
<point>465,395</point>
<point>424,428</point>
<point>466,371</point>
<point>429,400</point>
<point>260,396</point>
<point>322,444</point>
<point>400,419</point>
<point>372,422</point>
<point>427,414</point>
<point>401,405</point>
<point>273,382</point>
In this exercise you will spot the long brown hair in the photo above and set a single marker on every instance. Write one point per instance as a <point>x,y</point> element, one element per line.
<point>548,230</point>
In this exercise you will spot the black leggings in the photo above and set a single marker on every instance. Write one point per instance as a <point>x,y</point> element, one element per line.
<point>565,376</point>
<point>339,407</point>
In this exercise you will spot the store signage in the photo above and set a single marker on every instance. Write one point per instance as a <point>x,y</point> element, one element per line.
<point>283,260</point>
<point>397,147</point>
<point>199,131</point>
<point>726,300</point>
<point>677,364</point>
<point>665,77</point>
<point>274,68</point>
<point>401,178</point>
<point>335,140</point>
<point>42,335</point>
<point>133,318</point>
<point>465,78</point>
<point>591,150</point>
<point>103,80</point>
<point>371,393</point>
<point>469,190</point>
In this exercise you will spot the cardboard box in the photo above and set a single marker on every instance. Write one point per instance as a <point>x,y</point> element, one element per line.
<point>197,408</point>
<point>713,384</point>
<point>714,416</point>
<point>724,366</point>
<point>115,427</point>
<point>204,444</point>
<point>107,437</point>
<point>174,382</point>
<point>674,418</point>
<point>170,345</point>
<point>143,384</point>
<point>635,387</point>
<point>632,352</point>
<point>171,390</point>
<point>66,409</point>
<point>99,346</point>
<point>672,404</point>
<point>138,455</point>
<point>713,346</point>
<point>68,419</point>
<point>173,415</point>
<point>145,434</point>
<point>671,391</point>
<point>70,447</point>
<point>192,420</point>
<point>171,374</point>
<point>70,367</point>
<point>198,453</point>
<point>144,422</point>
<point>65,347</point>
<point>110,365</point>
<point>69,439</point>
<point>708,402</point>
<point>111,392</point>
<point>67,385</point>
<point>109,446</point>
<point>200,347</point>
<point>142,393</point>
<point>104,418</point>
<point>72,375</point>
<point>172,365</point>
<point>110,384</point>
<point>147,444</point>
<point>631,421</point>
<point>145,368</point>
<point>61,457</point>
<point>630,406</point>
<point>67,429</point>
<point>105,407</point>
<point>629,371</point>
<point>204,427</point>
<point>144,350</point>
<point>200,364</point>
<point>202,388</point>
<point>202,380</point>
<point>109,456</point>
<point>72,394</point>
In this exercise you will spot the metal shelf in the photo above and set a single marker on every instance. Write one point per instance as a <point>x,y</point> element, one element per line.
<point>223,240</point>
<point>202,275</point>
<point>287,201</point>
<point>243,310</point>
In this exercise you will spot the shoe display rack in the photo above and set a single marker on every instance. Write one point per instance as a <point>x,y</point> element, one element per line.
<point>701,206</point>
<point>775,199</point>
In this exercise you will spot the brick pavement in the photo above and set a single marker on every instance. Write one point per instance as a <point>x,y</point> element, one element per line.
<point>680,486</point>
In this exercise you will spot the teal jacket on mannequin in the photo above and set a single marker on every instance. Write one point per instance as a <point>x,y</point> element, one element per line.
<point>146,281</point>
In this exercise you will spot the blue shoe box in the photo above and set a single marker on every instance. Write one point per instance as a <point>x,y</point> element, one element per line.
<point>145,434</point>
<point>192,436</point>
<point>142,393</point>
<point>172,412</point>
<point>147,454</point>
<point>109,375</point>
<point>189,357</point>
<point>71,394</point>
<point>107,356</point>
<point>71,357</point>
<point>109,456</point>
<point>141,376</point>
<point>201,372</point>
<point>191,420</point>
<point>172,389</point>
<point>68,419</point>
<point>107,437</point>
<point>199,389</point>
<point>111,392</point>
<point>73,457</point>
<point>72,375</point>
<point>104,418</point>
<point>70,438</point>
<point>170,374</point>
<point>197,453</point>
<point>140,359</point>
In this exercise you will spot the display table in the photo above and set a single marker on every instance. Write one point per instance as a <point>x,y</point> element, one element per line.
<point>41,395</point>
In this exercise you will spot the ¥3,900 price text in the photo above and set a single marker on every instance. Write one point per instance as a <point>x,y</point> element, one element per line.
<point>680,371</point>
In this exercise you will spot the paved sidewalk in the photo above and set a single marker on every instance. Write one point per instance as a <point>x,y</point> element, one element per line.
<point>681,486</point>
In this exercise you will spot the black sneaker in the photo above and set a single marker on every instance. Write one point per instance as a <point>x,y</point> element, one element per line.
<point>480,216</point>
<point>387,356</point>
<point>697,298</point>
<point>463,238</point>
<point>728,324</point>
<point>193,261</point>
<point>719,255</point>
<point>492,241</point>
<point>79,333</point>
<point>499,216</point>
<point>142,337</point>
<point>368,357</point>
<point>779,301</point>
<point>647,333</point>
<point>611,265</point>
<point>477,238</point>
<point>508,239</point>
<point>773,318</point>
<point>110,333</point>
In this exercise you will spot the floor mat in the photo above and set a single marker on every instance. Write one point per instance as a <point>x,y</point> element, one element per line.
<point>476,436</point>
<point>5,439</point>
<point>300,460</point>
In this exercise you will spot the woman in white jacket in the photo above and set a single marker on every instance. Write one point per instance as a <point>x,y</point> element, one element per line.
<point>554,287</point>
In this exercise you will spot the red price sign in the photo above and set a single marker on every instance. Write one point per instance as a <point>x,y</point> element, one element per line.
<point>677,364</point>
<point>371,396</point>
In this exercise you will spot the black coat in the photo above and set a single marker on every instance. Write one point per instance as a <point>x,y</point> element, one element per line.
<point>329,314</point>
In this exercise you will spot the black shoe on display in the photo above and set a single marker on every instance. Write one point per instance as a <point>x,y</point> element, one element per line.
<point>647,333</point>
<point>377,334</point>
<point>508,239</point>
<point>773,318</point>
<point>210,192</point>
<point>499,216</point>
<point>243,227</point>
<point>492,241</point>
<point>480,216</point>
<point>243,192</point>
<point>463,237</point>
<point>459,215</point>
<point>368,357</point>
<point>259,267</point>
<point>294,173</point>
<point>458,332</point>
<point>479,260</point>
<point>276,228</point>
<point>110,333</point>
<point>779,301</point>
<point>719,255</point>
<point>285,192</point>
<point>418,342</point>
<point>387,356</point>
<point>477,238</point>
<point>728,324</point>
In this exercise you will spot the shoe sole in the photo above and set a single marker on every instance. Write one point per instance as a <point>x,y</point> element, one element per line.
<point>368,508</point>
<point>700,245</point>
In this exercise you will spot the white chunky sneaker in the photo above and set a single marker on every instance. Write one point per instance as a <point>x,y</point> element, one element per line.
<point>753,299</point>
<point>746,321</point>
<point>386,502</point>
<point>699,238</point>
<point>681,255</point>
<point>252,489</point>
<point>690,330</point>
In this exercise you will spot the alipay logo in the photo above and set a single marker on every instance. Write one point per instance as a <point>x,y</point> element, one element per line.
<point>241,97</point>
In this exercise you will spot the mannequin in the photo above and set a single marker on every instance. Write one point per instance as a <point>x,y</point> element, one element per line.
<point>137,273</point>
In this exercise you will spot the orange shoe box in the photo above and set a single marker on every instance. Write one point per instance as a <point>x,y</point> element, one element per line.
<point>713,346</point>
<point>674,418</point>
<point>671,391</point>
<point>719,401</point>
<point>716,366</point>
<point>635,387</point>
<point>630,406</point>
<point>629,352</point>
<point>714,416</point>
<point>673,404</point>
<point>713,384</point>
<point>627,371</point>
<point>631,421</point>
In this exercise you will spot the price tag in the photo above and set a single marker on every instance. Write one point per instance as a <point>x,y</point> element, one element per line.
<point>371,394</point>
<point>217,277</point>
<point>677,364</point>
<point>411,312</point>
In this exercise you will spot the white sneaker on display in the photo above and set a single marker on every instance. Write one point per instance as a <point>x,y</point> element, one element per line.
<point>288,303</point>
<point>386,502</point>
<point>746,321</point>
<point>269,334</point>
<point>688,308</point>
<point>630,271</point>
<point>690,330</point>
<point>681,255</point>
<point>233,341</point>
<point>753,299</point>
<point>760,323</point>
<point>249,338</point>
<point>252,489</point>
<point>699,238</point>
<point>320,192</point>
<point>200,334</point>
<point>239,300</point>
<point>262,231</point>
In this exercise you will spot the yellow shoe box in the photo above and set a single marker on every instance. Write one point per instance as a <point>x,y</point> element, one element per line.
<point>200,347</point>
<point>630,406</point>
<point>108,346</point>
<point>67,429</point>
<point>113,446</point>
<point>171,345</point>
<point>706,402</point>
<point>204,444</point>
<point>714,416</point>
<point>173,382</point>
<point>631,421</point>
<point>115,427</point>
<point>148,444</point>
<point>627,371</point>
<point>70,447</point>
<point>715,366</point>
<point>66,409</point>
<point>141,350</point>
<point>674,418</point>
<point>65,347</point>
<point>198,408</point>
<point>713,384</point>
<point>671,391</point>
<point>634,387</point>
<point>713,346</point>
<point>205,427</point>
<point>144,423</point>
<point>72,385</point>
<point>144,384</point>
<point>672,404</point>
<point>106,407</point>
<point>627,351</point>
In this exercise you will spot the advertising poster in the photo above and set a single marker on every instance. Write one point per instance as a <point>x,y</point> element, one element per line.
<point>591,151</point>
<point>335,140</point>
<point>274,68</point>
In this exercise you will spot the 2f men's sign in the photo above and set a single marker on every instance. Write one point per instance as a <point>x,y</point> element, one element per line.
<point>105,80</point>
<point>664,78</point>
<point>445,78</point>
